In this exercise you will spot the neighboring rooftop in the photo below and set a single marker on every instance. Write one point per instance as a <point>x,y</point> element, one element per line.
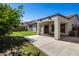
<point>33,21</point>
<point>23,23</point>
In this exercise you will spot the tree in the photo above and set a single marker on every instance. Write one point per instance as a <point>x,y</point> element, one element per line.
<point>9,18</point>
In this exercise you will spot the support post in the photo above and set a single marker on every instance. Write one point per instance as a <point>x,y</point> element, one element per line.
<point>38,27</point>
<point>57,29</point>
<point>28,28</point>
<point>66,29</point>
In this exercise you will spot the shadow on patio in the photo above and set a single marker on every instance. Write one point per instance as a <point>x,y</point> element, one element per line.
<point>70,39</point>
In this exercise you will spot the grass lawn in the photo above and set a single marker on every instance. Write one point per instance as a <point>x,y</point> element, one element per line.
<point>26,47</point>
<point>23,33</point>
<point>29,48</point>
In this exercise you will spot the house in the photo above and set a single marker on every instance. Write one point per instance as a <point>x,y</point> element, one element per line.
<point>23,23</point>
<point>56,24</point>
<point>22,26</point>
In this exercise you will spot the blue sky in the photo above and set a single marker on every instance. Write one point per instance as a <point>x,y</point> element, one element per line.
<point>39,10</point>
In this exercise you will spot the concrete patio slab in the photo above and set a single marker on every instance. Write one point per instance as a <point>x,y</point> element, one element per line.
<point>54,47</point>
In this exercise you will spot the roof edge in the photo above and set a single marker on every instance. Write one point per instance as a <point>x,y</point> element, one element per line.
<point>57,15</point>
<point>53,16</point>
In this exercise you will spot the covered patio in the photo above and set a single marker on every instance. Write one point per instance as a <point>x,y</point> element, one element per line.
<point>54,27</point>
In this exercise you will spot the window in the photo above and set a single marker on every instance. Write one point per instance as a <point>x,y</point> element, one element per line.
<point>62,27</point>
<point>52,29</point>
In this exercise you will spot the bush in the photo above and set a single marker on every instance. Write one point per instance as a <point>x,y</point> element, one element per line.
<point>9,18</point>
<point>21,28</point>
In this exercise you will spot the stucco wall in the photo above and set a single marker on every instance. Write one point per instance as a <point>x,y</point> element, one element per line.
<point>42,29</point>
<point>47,22</point>
<point>74,20</point>
<point>68,24</point>
<point>61,20</point>
<point>33,28</point>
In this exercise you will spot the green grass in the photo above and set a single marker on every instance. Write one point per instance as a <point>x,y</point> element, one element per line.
<point>28,48</point>
<point>23,33</point>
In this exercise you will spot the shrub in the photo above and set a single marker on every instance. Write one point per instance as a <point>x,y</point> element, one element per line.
<point>21,28</point>
<point>9,18</point>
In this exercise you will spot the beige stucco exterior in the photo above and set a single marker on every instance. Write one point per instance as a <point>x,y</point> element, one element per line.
<point>57,21</point>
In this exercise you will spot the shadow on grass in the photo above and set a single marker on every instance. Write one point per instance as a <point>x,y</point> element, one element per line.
<point>12,46</point>
<point>11,42</point>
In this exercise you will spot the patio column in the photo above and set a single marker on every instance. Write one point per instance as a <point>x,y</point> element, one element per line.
<point>28,28</point>
<point>57,29</point>
<point>50,27</point>
<point>42,29</point>
<point>66,28</point>
<point>38,27</point>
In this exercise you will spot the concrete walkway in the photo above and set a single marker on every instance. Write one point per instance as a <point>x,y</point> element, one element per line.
<point>54,47</point>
